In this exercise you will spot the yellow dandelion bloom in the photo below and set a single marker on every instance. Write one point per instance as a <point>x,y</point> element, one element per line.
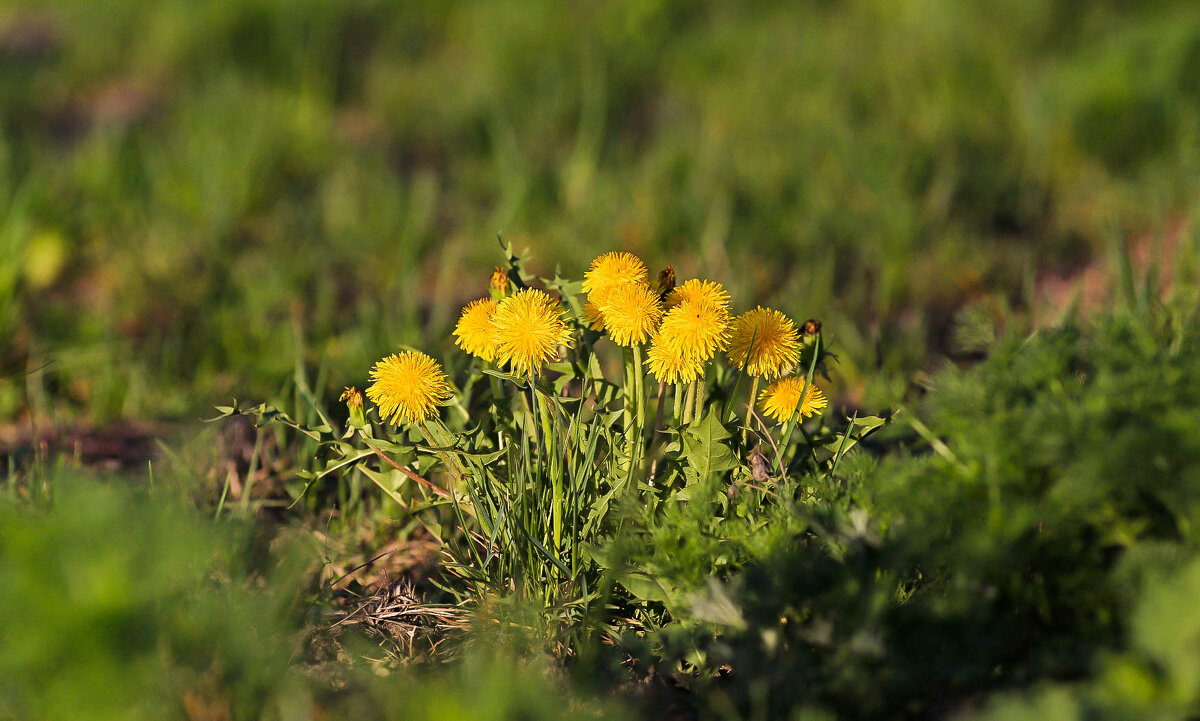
<point>609,271</point>
<point>764,342</point>
<point>528,328</point>
<point>781,399</point>
<point>631,313</point>
<point>474,332</point>
<point>695,329</point>
<point>669,364</point>
<point>407,387</point>
<point>593,317</point>
<point>705,292</point>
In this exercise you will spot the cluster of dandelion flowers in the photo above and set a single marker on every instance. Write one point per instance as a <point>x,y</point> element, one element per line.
<point>669,363</point>
<point>474,331</point>
<point>407,387</point>
<point>781,400</point>
<point>631,313</point>
<point>764,343</point>
<point>528,328</point>
<point>610,271</point>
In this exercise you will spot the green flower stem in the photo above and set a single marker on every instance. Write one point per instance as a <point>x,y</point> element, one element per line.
<point>547,460</point>
<point>497,391</point>
<point>639,377</point>
<point>627,391</point>
<point>658,412</point>
<point>689,403</point>
<point>678,391</point>
<point>701,391</point>
<point>750,408</point>
<point>794,421</point>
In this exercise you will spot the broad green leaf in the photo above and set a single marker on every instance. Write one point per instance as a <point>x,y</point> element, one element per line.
<point>646,586</point>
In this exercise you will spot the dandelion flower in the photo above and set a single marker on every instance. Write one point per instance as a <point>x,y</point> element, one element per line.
<point>407,387</point>
<point>781,399</point>
<point>609,271</point>
<point>705,292</point>
<point>528,327</point>
<point>474,332</point>
<point>670,364</point>
<point>631,313</point>
<point>696,330</point>
<point>592,317</point>
<point>764,342</point>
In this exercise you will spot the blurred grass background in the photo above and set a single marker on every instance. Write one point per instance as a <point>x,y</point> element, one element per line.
<point>195,196</point>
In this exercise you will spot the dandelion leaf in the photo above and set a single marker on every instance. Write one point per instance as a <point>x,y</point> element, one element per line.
<point>705,449</point>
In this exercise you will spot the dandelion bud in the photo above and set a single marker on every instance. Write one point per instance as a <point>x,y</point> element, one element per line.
<point>499,284</point>
<point>666,282</point>
<point>354,401</point>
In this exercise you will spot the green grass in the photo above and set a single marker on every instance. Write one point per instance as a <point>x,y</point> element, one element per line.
<point>258,199</point>
<point>1038,558</point>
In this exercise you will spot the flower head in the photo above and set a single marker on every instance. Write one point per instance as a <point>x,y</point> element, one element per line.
<point>631,313</point>
<point>705,292</point>
<point>474,332</point>
<point>697,330</point>
<point>781,399</point>
<point>528,327</point>
<point>592,317</point>
<point>670,364</point>
<point>407,387</point>
<point>609,271</point>
<point>764,342</point>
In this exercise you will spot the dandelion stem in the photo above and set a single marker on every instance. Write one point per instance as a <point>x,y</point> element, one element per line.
<point>678,391</point>
<point>700,392</point>
<point>658,410</point>
<point>639,378</point>
<point>654,433</point>
<point>785,435</point>
<point>687,404</point>
<point>750,408</point>
<point>627,390</point>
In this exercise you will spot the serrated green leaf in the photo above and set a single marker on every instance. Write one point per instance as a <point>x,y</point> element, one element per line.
<point>704,447</point>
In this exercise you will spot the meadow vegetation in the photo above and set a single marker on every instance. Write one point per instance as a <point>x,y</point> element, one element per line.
<point>987,511</point>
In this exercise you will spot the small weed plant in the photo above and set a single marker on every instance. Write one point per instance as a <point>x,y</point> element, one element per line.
<point>582,413</point>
